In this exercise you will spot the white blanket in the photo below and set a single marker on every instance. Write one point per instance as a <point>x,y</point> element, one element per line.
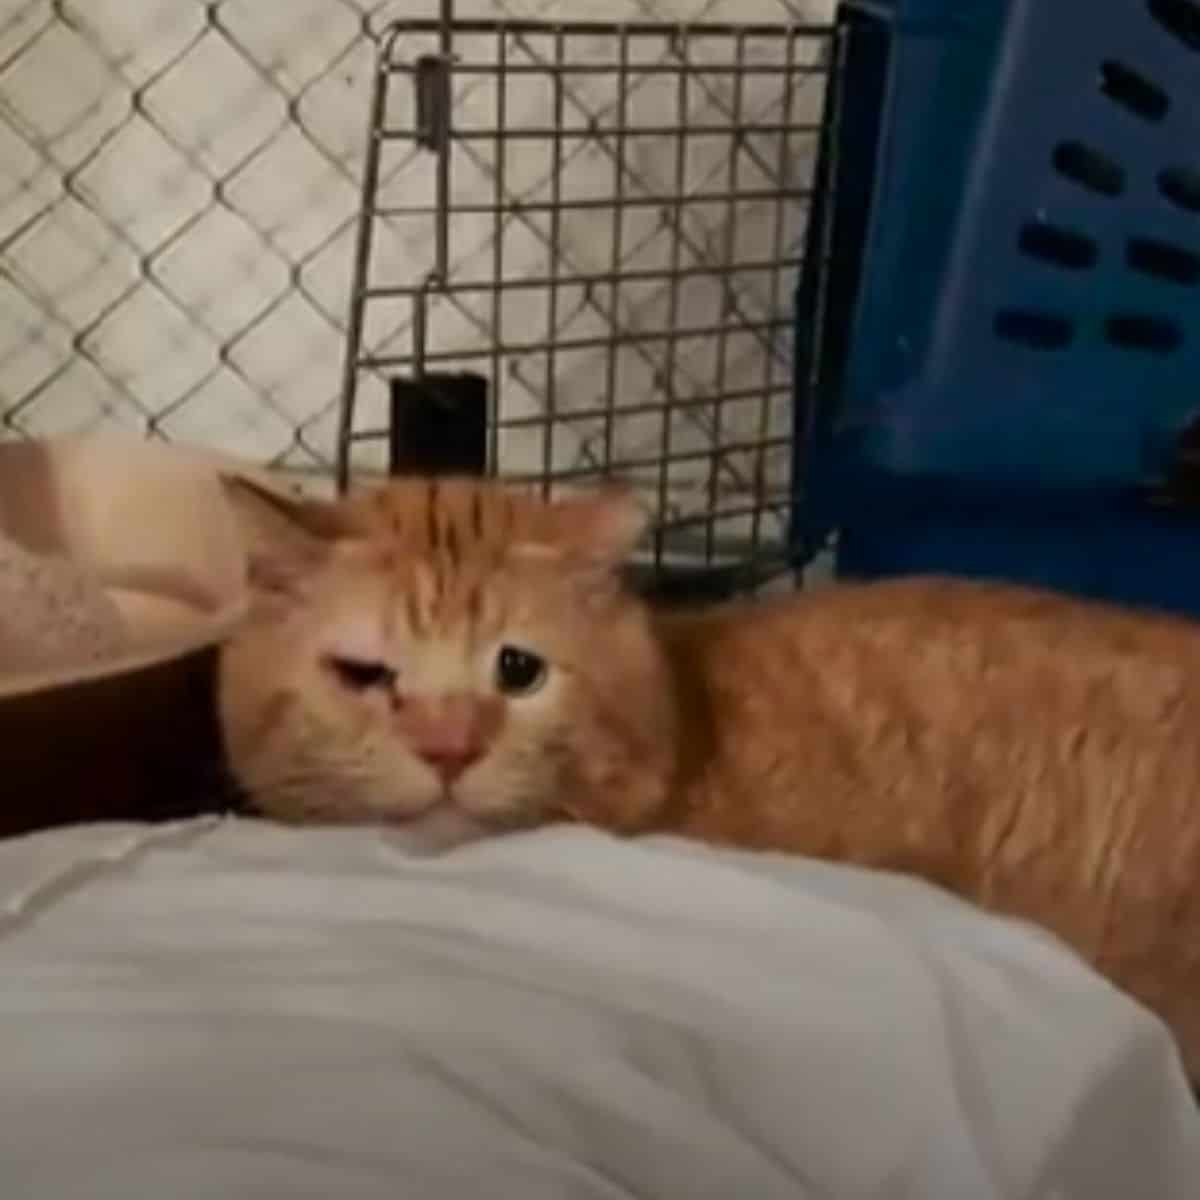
<point>228,1010</point>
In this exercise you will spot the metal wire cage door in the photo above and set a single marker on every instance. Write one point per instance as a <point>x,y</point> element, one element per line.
<point>588,269</point>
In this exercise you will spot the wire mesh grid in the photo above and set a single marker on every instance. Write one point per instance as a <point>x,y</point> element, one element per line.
<point>153,263</point>
<point>606,221</point>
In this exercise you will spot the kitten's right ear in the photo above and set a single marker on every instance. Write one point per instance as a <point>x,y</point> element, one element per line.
<point>286,537</point>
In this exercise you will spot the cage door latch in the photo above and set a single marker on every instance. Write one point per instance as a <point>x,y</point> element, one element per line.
<point>432,81</point>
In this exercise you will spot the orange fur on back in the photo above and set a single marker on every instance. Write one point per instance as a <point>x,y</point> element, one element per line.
<point>1035,754</point>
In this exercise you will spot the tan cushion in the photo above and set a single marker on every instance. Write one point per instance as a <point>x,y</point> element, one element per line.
<point>106,705</point>
<point>114,553</point>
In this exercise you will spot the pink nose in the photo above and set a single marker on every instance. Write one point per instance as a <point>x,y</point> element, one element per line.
<point>447,733</point>
<point>449,761</point>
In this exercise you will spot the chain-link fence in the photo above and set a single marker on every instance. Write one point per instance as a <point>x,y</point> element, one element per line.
<point>179,185</point>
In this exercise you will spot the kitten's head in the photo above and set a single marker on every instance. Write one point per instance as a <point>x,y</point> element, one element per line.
<point>451,656</point>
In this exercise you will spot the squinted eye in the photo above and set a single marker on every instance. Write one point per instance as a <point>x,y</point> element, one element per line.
<point>360,675</point>
<point>519,672</point>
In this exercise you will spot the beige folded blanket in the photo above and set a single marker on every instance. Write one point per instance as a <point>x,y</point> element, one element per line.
<point>58,612</point>
<point>54,613</point>
<point>116,554</point>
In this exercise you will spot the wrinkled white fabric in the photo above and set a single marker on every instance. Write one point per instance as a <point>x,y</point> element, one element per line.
<point>229,1009</point>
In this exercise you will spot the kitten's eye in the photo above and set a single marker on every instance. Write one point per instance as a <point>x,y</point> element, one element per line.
<point>519,672</point>
<point>359,675</point>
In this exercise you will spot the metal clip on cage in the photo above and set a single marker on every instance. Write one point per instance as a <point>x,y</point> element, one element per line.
<point>576,252</point>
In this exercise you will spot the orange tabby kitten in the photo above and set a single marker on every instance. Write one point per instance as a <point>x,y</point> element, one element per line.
<point>457,658</point>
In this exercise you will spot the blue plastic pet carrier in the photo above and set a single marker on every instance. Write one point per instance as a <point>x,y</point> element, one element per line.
<point>999,322</point>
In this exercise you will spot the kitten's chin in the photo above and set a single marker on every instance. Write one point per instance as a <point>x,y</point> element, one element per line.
<point>436,831</point>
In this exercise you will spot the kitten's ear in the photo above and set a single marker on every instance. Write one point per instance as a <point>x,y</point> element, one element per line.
<point>601,526</point>
<point>286,537</point>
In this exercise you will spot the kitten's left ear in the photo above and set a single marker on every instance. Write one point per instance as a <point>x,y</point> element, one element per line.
<point>601,526</point>
<point>286,537</point>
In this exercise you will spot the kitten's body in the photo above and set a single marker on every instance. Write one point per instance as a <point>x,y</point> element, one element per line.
<point>1034,754</point>
<point>1037,756</point>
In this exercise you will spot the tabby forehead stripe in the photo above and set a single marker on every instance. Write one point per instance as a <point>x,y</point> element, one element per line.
<point>453,528</point>
<point>474,606</point>
<point>431,515</point>
<point>477,514</point>
<point>413,610</point>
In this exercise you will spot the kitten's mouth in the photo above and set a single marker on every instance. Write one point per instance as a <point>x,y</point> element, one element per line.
<point>437,827</point>
<point>443,803</point>
<point>444,806</point>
